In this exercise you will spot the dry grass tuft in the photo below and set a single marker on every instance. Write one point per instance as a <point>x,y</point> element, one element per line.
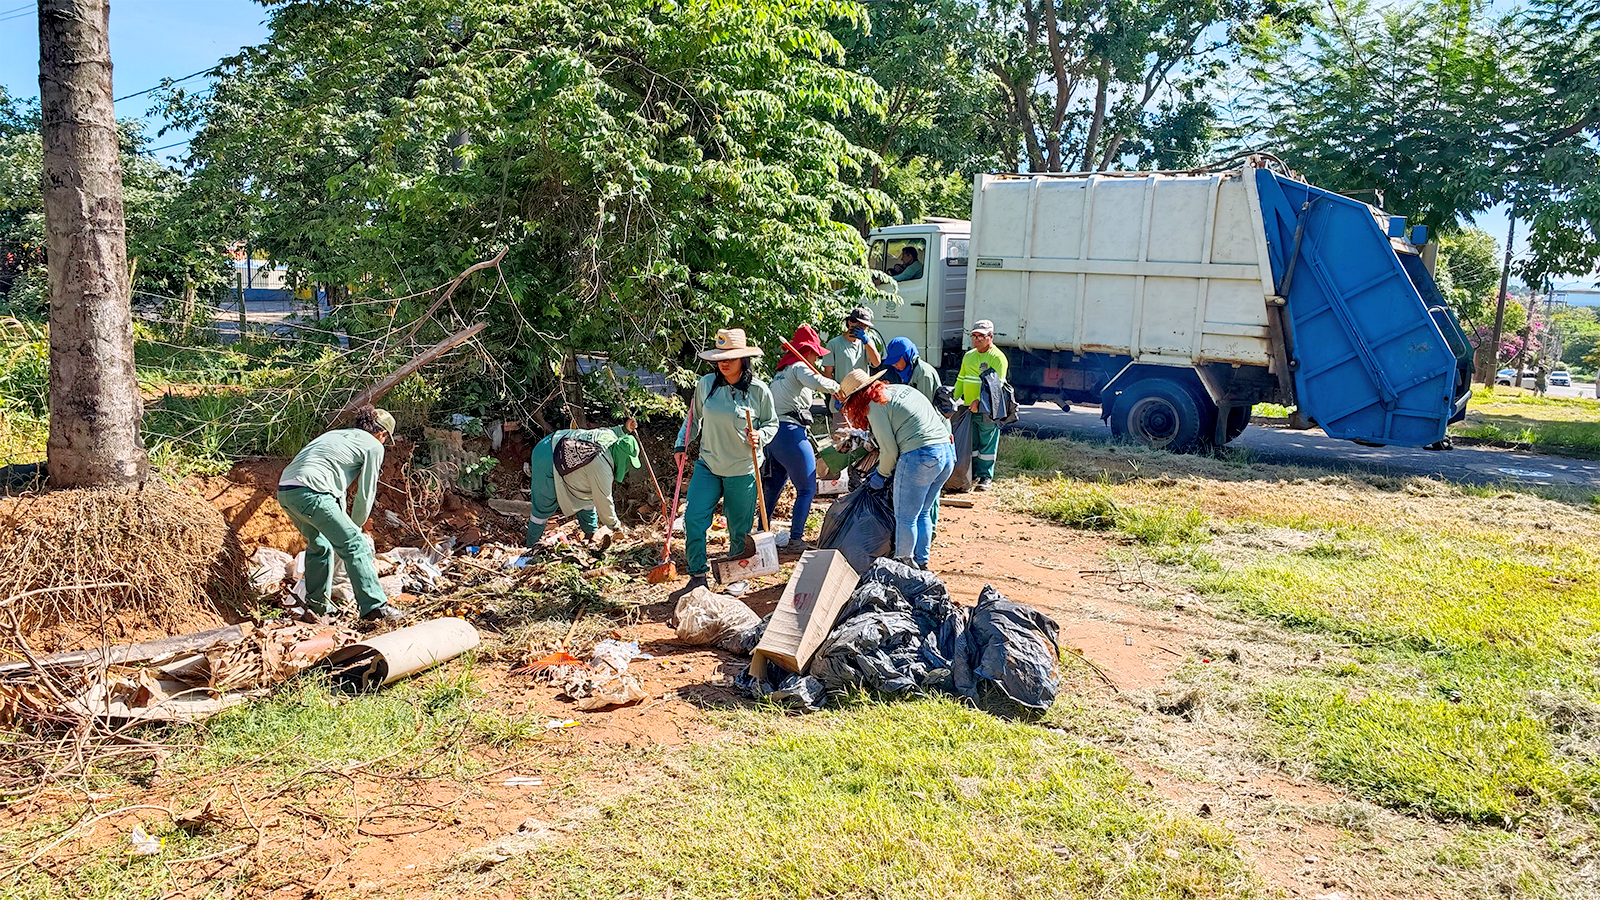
<point>182,568</point>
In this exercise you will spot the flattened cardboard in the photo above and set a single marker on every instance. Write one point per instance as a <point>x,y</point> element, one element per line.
<point>821,584</point>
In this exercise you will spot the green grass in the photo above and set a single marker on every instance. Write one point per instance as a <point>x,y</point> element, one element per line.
<point>1556,424</point>
<point>1458,612</point>
<point>920,799</point>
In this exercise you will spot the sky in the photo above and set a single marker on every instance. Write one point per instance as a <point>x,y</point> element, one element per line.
<point>150,40</point>
<point>156,39</point>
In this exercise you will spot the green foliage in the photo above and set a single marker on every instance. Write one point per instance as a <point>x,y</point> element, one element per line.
<point>656,170</point>
<point>824,807</point>
<point>1469,274</point>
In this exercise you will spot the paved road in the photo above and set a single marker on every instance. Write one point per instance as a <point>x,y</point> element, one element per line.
<point>1578,389</point>
<point>1469,465</point>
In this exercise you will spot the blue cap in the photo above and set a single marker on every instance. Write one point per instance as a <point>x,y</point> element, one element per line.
<point>899,349</point>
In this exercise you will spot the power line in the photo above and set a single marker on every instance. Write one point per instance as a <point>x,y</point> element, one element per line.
<point>165,82</point>
<point>22,13</point>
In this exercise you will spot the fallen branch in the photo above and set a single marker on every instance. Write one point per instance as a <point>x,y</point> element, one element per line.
<point>450,291</point>
<point>398,375</point>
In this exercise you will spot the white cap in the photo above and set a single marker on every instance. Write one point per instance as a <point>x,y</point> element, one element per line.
<point>983,326</point>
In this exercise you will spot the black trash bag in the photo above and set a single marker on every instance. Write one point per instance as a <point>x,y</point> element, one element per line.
<point>900,633</point>
<point>878,651</point>
<point>1014,653</point>
<point>944,400</point>
<point>997,400</point>
<point>910,581</point>
<point>801,692</point>
<point>861,526</point>
<point>961,431</point>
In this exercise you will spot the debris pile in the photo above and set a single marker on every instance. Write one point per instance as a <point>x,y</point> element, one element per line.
<point>901,634</point>
<point>603,681</point>
<point>161,562</point>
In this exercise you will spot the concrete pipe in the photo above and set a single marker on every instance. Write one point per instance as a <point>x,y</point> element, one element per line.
<point>387,658</point>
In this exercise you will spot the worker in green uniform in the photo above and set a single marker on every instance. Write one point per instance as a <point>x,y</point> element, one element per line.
<point>906,367</point>
<point>724,471</point>
<point>854,350</point>
<point>573,473</point>
<point>969,384</point>
<point>312,491</point>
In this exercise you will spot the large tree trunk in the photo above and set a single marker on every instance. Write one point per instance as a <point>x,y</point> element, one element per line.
<point>94,394</point>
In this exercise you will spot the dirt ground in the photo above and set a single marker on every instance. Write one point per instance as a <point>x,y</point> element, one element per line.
<point>1140,644</point>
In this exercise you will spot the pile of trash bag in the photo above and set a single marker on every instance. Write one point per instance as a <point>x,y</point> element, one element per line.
<point>861,526</point>
<point>961,433</point>
<point>901,634</point>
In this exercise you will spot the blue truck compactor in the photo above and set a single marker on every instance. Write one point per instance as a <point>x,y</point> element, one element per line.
<point>1375,353</point>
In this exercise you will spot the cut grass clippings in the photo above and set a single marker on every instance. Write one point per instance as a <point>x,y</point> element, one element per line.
<point>1564,425</point>
<point>924,799</point>
<point>1464,606</point>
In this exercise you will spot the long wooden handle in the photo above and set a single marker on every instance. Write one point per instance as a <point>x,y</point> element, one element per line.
<point>761,495</point>
<point>790,347</point>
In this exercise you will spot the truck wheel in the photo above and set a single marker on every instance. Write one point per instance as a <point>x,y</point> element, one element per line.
<point>1161,414</point>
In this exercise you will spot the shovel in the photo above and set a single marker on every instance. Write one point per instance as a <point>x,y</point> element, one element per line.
<point>667,570</point>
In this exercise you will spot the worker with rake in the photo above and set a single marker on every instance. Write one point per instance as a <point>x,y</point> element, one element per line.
<point>729,442</point>
<point>573,473</point>
<point>312,490</point>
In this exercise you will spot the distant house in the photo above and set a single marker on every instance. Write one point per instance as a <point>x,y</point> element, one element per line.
<point>262,282</point>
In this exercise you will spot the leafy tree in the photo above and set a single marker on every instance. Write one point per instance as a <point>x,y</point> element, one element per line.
<point>1091,84</point>
<point>656,170</point>
<point>1403,99</point>
<point>1469,273</point>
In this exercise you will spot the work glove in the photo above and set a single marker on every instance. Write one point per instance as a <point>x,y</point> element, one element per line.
<point>875,481</point>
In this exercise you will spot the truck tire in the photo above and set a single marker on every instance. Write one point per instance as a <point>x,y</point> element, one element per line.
<point>1161,414</point>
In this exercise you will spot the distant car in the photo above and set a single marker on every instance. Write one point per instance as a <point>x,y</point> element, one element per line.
<point>1504,376</point>
<point>1561,379</point>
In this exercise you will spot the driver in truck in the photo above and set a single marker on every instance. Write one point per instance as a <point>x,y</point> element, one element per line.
<point>910,265</point>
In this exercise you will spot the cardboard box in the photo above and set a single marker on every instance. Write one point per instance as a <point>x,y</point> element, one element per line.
<point>821,584</point>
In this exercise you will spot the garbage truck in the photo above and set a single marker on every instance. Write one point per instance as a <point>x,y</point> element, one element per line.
<point>1179,300</point>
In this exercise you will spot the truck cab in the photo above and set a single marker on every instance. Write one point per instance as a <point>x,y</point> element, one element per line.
<point>927,305</point>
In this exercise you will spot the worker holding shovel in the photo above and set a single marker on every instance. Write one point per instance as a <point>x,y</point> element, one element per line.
<point>312,489</point>
<point>573,473</point>
<point>724,470</point>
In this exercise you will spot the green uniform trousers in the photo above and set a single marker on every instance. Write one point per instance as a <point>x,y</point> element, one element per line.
<point>738,496</point>
<point>587,520</point>
<point>985,446</point>
<point>328,531</point>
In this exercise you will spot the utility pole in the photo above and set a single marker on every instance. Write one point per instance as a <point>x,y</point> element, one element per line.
<point>1500,308</point>
<point>95,405</point>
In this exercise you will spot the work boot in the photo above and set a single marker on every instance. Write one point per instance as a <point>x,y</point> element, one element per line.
<point>981,484</point>
<point>695,581</point>
<point>302,614</point>
<point>387,614</point>
<point>798,545</point>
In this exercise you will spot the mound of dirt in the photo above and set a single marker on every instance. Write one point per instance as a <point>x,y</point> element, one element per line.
<point>179,567</point>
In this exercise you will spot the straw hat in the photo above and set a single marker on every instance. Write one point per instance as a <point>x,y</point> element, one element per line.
<point>855,381</point>
<point>731,344</point>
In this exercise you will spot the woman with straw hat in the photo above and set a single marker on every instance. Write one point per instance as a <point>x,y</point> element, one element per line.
<point>792,457</point>
<point>724,470</point>
<point>312,489</point>
<point>913,447</point>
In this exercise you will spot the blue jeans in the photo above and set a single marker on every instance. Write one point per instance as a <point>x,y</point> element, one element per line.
<point>918,476</point>
<point>792,459</point>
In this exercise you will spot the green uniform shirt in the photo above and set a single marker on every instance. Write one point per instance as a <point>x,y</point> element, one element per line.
<point>969,380</point>
<point>792,388</point>
<point>719,422</point>
<point>332,461</point>
<point>844,354</point>
<point>925,378</point>
<point>906,421</point>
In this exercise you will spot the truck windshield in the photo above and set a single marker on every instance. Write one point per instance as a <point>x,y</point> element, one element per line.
<point>901,259</point>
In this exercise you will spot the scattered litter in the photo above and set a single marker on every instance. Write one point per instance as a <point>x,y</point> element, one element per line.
<point>554,724</point>
<point>1015,650</point>
<point>143,843</point>
<point>523,782</point>
<point>605,681</point>
<point>386,658</point>
<point>531,835</point>
<point>269,569</point>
